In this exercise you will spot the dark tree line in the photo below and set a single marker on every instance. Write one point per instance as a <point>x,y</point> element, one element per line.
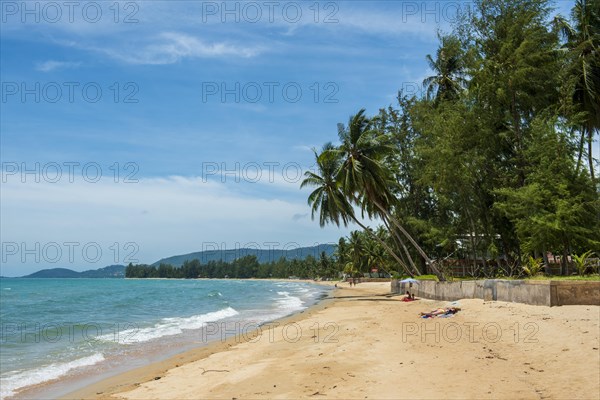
<point>241,268</point>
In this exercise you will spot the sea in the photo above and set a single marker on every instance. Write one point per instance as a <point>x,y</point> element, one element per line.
<point>72,330</point>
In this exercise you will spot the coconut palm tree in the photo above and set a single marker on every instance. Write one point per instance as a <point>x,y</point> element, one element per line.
<point>398,240</point>
<point>328,200</point>
<point>448,80</point>
<point>356,249</point>
<point>583,48</point>
<point>341,253</point>
<point>375,254</point>
<point>363,176</point>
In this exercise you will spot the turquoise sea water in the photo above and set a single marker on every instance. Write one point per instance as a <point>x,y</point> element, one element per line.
<point>56,328</point>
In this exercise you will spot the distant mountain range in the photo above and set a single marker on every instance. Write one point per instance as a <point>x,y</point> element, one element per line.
<point>263,256</point>
<point>112,271</point>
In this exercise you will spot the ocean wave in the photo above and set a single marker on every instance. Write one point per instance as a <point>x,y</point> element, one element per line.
<point>288,302</point>
<point>168,327</point>
<point>16,380</point>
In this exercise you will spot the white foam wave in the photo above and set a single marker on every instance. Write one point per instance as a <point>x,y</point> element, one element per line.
<point>13,381</point>
<point>288,302</point>
<point>168,327</point>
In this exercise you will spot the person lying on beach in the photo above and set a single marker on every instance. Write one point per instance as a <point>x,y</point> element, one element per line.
<point>439,312</point>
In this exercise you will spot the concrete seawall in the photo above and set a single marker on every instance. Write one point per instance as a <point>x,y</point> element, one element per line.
<point>542,293</point>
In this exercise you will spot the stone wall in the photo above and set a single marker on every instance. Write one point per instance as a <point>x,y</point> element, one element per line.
<point>573,292</point>
<point>543,293</point>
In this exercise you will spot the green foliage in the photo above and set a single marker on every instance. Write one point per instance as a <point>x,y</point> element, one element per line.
<point>351,270</point>
<point>448,80</point>
<point>533,266</point>
<point>582,262</point>
<point>581,72</point>
<point>241,268</point>
<point>427,278</point>
<point>396,275</point>
<point>487,166</point>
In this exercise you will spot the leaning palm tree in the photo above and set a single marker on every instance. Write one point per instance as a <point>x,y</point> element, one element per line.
<point>330,202</point>
<point>363,176</point>
<point>582,44</point>
<point>398,240</point>
<point>447,80</point>
<point>375,255</point>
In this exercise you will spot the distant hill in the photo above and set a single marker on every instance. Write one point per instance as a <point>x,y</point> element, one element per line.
<point>263,255</point>
<point>112,271</point>
<point>54,273</point>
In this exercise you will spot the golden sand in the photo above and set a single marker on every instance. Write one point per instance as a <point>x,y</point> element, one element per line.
<point>366,343</point>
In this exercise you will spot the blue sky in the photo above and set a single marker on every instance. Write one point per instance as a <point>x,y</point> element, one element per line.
<point>168,93</point>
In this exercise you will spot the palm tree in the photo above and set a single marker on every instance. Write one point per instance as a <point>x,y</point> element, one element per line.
<point>448,80</point>
<point>341,253</point>
<point>375,254</point>
<point>356,249</point>
<point>330,202</point>
<point>363,176</point>
<point>398,240</point>
<point>583,49</point>
<point>365,252</point>
<point>327,199</point>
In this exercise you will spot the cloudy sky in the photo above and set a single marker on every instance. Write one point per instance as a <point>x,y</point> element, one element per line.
<point>133,131</point>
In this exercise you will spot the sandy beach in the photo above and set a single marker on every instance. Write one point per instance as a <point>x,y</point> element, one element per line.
<point>365,343</point>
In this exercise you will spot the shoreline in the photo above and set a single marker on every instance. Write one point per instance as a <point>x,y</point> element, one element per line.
<point>129,380</point>
<point>382,349</point>
<point>76,381</point>
<point>65,385</point>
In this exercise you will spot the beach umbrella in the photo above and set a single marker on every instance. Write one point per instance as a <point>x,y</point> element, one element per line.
<point>409,280</point>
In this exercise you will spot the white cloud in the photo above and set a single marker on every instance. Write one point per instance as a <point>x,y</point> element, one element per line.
<point>52,65</point>
<point>374,18</point>
<point>171,47</point>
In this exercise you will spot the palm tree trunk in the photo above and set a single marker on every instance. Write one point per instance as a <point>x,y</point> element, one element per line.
<point>564,261</point>
<point>580,154</point>
<point>590,140</point>
<point>384,244</point>
<point>473,239</point>
<point>547,268</point>
<point>439,275</point>
<point>401,242</point>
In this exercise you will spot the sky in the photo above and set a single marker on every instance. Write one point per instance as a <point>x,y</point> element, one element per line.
<point>132,131</point>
